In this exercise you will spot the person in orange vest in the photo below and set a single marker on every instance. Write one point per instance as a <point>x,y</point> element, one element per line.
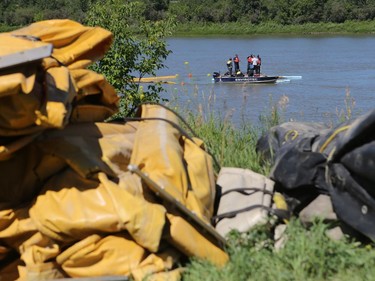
<point>236,63</point>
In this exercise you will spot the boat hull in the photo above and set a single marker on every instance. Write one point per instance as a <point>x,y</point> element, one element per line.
<point>246,79</point>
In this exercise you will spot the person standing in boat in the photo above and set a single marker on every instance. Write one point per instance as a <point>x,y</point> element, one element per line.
<point>230,66</point>
<point>236,63</point>
<point>255,65</point>
<point>259,63</point>
<point>250,67</point>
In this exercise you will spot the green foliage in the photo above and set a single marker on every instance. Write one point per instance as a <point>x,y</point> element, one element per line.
<point>139,49</point>
<point>156,9</point>
<point>224,141</point>
<point>24,12</point>
<point>214,29</point>
<point>308,254</point>
<point>283,12</point>
<point>254,12</point>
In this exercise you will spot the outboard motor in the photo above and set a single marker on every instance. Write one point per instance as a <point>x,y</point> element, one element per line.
<point>216,74</point>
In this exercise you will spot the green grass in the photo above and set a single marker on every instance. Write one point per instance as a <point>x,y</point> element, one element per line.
<point>225,142</point>
<point>307,255</point>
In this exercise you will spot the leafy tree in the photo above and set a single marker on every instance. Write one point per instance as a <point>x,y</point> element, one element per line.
<point>139,49</point>
<point>280,10</point>
<point>335,11</point>
<point>247,10</point>
<point>303,11</point>
<point>52,9</point>
<point>156,9</point>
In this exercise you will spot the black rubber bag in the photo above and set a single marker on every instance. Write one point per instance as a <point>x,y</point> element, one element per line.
<point>339,162</point>
<point>351,175</point>
<point>296,167</point>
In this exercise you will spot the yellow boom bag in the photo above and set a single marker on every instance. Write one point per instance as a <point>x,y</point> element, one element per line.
<point>72,179</point>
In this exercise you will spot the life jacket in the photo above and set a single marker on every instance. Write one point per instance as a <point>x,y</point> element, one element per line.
<point>236,59</point>
<point>229,63</point>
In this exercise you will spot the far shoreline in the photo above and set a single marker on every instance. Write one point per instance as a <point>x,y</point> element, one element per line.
<point>348,28</point>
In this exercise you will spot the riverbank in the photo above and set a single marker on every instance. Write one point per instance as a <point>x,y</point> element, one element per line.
<point>308,253</point>
<point>271,28</point>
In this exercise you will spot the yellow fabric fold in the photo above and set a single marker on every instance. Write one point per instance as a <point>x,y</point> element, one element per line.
<point>160,156</point>
<point>83,207</point>
<point>37,92</point>
<point>115,255</point>
<point>201,175</point>
<point>16,227</point>
<point>72,42</point>
<point>192,243</point>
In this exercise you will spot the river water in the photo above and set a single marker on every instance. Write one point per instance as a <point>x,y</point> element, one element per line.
<point>327,75</point>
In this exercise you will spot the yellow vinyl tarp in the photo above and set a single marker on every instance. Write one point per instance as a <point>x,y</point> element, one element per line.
<point>70,205</point>
<point>39,94</point>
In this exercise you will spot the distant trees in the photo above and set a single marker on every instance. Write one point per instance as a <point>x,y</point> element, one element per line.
<point>156,9</point>
<point>22,12</point>
<point>279,11</point>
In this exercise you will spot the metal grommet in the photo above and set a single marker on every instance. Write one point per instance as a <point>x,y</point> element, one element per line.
<point>364,209</point>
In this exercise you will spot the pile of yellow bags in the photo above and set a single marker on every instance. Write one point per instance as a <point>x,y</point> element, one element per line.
<point>70,203</point>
